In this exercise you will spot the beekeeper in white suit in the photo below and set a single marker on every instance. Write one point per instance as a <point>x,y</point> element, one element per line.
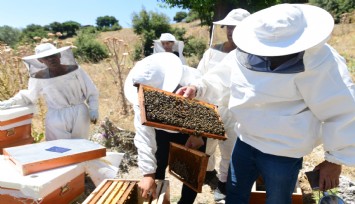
<point>290,92</point>
<point>163,71</point>
<point>220,46</point>
<point>168,43</point>
<point>70,94</point>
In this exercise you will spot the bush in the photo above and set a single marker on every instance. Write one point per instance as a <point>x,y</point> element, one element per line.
<point>335,7</point>
<point>89,49</point>
<point>192,16</point>
<point>179,16</point>
<point>149,25</point>
<point>9,35</point>
<point>195,47</point>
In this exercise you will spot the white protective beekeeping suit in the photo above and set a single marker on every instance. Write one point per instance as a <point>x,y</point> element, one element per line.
<point>211,58</point>
<point>163,71</point>
<point>178,46</point>
<point>69,93</point>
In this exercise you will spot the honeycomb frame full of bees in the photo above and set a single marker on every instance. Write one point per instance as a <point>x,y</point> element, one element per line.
<point>165,110</point>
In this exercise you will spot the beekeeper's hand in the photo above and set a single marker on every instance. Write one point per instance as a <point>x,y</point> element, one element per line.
<point>147,186</point>
<point>194,142</point>
<point>94,115</point>
<point>187,91</point>
<point>7,104</point>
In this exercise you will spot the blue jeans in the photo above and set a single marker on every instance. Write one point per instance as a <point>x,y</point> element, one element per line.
<point>247,163</point>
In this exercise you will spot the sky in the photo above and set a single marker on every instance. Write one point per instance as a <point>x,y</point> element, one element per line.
<point>20,13</point>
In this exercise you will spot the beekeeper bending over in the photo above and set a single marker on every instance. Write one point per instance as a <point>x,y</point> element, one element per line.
<point>162,71</point>
<point>70,94</point>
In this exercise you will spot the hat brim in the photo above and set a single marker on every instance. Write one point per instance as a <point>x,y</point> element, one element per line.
<point>318,30</point>
<point>225,22</point>
<point>46,53</point>
<point>172,74</point>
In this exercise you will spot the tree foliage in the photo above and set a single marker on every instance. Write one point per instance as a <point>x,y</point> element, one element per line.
<point>70,28</point>
<point>179,16</point>
<point>88,49</point>
<point>150,26</point>
<point>9,35</point>
<point>56,27</point>
<point>107,23</point>
<point>32,31</point>
<point>335,7</point>
<point>191,16</point>
<point>212,10</point>
<point>204,8</point>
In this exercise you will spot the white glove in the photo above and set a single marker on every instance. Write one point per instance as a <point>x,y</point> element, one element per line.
<point>94,115</point>
<point>7,104</point>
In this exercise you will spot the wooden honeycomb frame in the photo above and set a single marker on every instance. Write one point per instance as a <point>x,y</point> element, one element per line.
<point>125,191</point>
<point>142,88</point>
<point>182,160</point>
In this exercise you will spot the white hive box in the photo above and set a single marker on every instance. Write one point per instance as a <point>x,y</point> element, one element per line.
<point>15,126</point>
<point>47,155</point>
<point>61,185</point>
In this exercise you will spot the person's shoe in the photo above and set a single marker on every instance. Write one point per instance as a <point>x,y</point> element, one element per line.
<point>220,192</point>
<point>210,175</point>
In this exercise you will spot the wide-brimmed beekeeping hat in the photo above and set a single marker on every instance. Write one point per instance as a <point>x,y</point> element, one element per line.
<point>233,18</point>
<point>167,37</point>
<point>37,68</point>
<point>283,29</point>
<point>161,70</point>
<point>44,50</point>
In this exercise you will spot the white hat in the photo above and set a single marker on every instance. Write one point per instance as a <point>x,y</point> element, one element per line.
<point>162,70</point>
<point>167,37</point>
<point>283,29</point>
<point>233,18</point>
<point>44,50</point>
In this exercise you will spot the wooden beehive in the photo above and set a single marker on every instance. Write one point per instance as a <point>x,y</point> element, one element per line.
<point>188,165</point>
<point>56,186</point>
<point>63,194</point>
<point>37,157</point>
<point>126,192</point>
<point>258,194</point>
<point>181,113</point>
<point>15,126</point>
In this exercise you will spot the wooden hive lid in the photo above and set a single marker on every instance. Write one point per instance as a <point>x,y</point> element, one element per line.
<point>16,112</point>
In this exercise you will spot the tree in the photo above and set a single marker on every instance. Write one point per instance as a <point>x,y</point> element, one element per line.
<point>150,26</point>
<point>179,16</point>
<point>56,27</point>
<point>192,16</point>
<point>107,23</point>
<point>9,35</point>
<point>213,10</point>
<point>70,28</point>
<point>32,31</point>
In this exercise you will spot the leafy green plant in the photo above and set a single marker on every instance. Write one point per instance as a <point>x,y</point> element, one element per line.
<point>195,47</point>
<point>38,137</point>
<point>180,16</point>
<point>149,25</point>
<point>191,16</point>
<point>88,49</point>
<point>335,7</point>
<point>9,35</point>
